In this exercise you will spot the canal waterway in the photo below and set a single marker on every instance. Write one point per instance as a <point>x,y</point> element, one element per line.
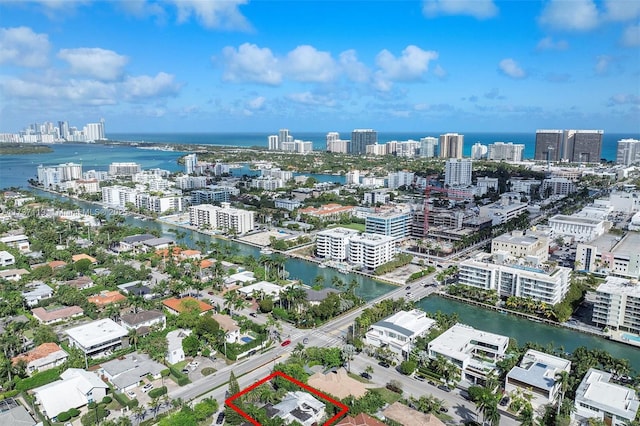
<point>524,331</point>
<point>520,329</point>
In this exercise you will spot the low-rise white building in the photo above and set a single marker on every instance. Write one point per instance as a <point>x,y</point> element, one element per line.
<point>597,397</point>
<point>399,331</point>
<point>6,258</point>
<point>617,305</point>
<point>127,372</point>
<point>175,353</point>
<point>224,217</point>
<point>76,388</point>
<point>97,337</point>
<point>263,288</point>
<point>536,375</point>
<point>531,247</point>
<point>545,283</point>
<point>509,207</point>
<point>580,229</point>
<point>474,352</point>
<point>611,255</point>
<point>21,242</point>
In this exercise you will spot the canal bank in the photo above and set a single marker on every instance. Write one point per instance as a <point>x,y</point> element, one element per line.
<point>523,330</point>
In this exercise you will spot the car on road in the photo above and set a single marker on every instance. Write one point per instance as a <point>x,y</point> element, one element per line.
<point>384,364</point>
<point>147,387</point>
<point>193,364</point>
<point>444,388</point>
<point>365,375</point>
<point>419,378</point>
<point>253,314</point>
<point>444,409</point>
<point>131,394</point>
<point>220,418</point>
<point>285,343</point>
<point>408,287</point>
<point>305,340</point>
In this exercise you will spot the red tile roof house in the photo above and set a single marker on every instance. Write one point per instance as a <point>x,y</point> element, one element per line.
<point>43,357</point>
<point>106,298</point>
<point>54,315</point>
<point>176,306</point>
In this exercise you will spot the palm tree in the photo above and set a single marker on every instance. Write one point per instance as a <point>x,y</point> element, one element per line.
<point>561,378</point>
<point>298,351</point>
<point>155,406</point>
<point>347,354</point>
<point>231,299</point>
<point>133,338</point>
<point>525,417</point>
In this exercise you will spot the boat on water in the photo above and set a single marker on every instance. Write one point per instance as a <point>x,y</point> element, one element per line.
<point>322,266</point>
<point>266,251</point>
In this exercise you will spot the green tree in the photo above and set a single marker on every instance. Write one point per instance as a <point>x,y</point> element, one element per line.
<point>408,367</point>
<point>231,417</point>
<point>191,345</point>
<point>44,334</point>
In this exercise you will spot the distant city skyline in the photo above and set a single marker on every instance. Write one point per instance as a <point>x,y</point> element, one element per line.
<point>255,66</point>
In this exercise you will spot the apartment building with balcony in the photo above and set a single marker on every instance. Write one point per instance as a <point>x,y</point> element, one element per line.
<point>399,331</point>
<point>617,305</point>
<point>332,244</point>
<point>371,250</point>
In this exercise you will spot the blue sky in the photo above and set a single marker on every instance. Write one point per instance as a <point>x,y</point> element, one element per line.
<point>259,65</point>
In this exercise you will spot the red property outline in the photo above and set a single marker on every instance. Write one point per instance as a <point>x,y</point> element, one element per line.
<point>229,401</point>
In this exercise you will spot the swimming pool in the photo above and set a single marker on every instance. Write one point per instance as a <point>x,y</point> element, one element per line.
<point>631,337</point>
<point>246,339</point>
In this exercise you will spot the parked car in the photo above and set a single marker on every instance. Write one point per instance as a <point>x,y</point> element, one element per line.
<point>285,343</point>
<point>185,371</point>
<point>444,409</point>
<point>220,418</point>
<point>147,387</point>
<point>365,375</point>
<point>419,378</point>
<point>384,364</point>
<point>253,314</point>
<point>444,388</point>
<point>131,394</point>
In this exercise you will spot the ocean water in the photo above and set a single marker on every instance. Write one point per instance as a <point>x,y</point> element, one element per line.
<point>16,170</point>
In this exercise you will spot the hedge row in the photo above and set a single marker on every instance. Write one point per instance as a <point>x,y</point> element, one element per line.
<point>157,392</point>
<point>180,378</point>
<point>124,401</point>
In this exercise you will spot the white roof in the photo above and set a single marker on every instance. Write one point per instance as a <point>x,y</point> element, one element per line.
<point>243,277</point>
<point>596,390</point>
<point>264,286</point>
<point>174,339</point>
<point>96,332</point>
<point>408,323</point>
<point>70,392</point>
<point>14,238</point>
<point>456,341</point>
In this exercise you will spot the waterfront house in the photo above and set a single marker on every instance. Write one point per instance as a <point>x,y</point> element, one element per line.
<point>399,331</point>
<point>597,397</point>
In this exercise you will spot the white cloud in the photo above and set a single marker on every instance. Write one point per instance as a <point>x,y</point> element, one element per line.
<point>142,8</point>
<point>570,15</point>
<point>144,86</point>
<point>355,70</point>
<point>602,64</point>
<point>256,103</point>
<point>94,62</point>
<point>631,36</point>
<point>480,9</point>
<point>21,46</point>
<point>213,13</point>
<point>511,68</point>
<point>621,10</point>
<point>308,98</point>
<point>251,63</point>
<point>548,43</point>
<point>305,63</point>
<point>410,66</point>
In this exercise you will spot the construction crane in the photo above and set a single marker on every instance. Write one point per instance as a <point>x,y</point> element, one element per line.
<point>450,194</point>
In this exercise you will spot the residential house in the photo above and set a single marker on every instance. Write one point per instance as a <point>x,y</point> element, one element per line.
<point>399,331</point>
<point>536,375</point>
<point>175,353</point>
<point>6,259</point>
<point>474,352</point>
<point>240,278</point>
<point>35,292</point>
<point>54,314</point>
<point>21,242</point>
<point>597,397</point>
<point>262,288</point>
<point>146,319</point>
<point>13,274</point>
<point>314,297</point>
<point>43,357</point>
<point>80,283</point>
<point>175,306</point>
<point>14,414</point>
<point>97,337</point>
<point>361,419</point>
<point>136,288</point>
<point>133,242</point>
<point>106,298</point>
<point>298,406</point>
<point>406,416</point>
<point>127,372</point>
<point>57,264</point>
<point>81,256</point>
<point>157,243</point>
<point>76,388</point>
<point>231,329</point>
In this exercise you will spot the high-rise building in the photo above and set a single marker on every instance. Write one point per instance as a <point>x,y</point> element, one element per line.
<point>478,151</point>
<point>549,145</point>
<point>628,152</point>
<point>505,151</point>
<point>94,131</point>
<point>335,144</point>
<point>428,147</point>
<point>190,163</point>
<point>583,146</point>
<point>360,138</point>
<point>451,145</point>
<point>63,126</point>
<point>284,136</point>
<point>273,143</point>
<point>457,172</point>
<point>124,169</point>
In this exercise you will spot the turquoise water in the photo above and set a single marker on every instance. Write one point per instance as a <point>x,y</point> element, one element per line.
<point>631,337</point>
<point>246,339</point>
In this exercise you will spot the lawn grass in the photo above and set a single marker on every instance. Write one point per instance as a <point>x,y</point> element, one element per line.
<point>388,396</point>
<point>357,226</point>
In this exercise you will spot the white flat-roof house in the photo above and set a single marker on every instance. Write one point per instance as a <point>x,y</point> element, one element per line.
<point>399,331</point>
<point>175,353</point>
<point>97,337</point>
<point>580,229</point>
<point>536,375</point>
<point>597,397</point>
<point>474,352</point>
<point>21,242</point>
<point>263,287</point>
<point>76,389</point>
